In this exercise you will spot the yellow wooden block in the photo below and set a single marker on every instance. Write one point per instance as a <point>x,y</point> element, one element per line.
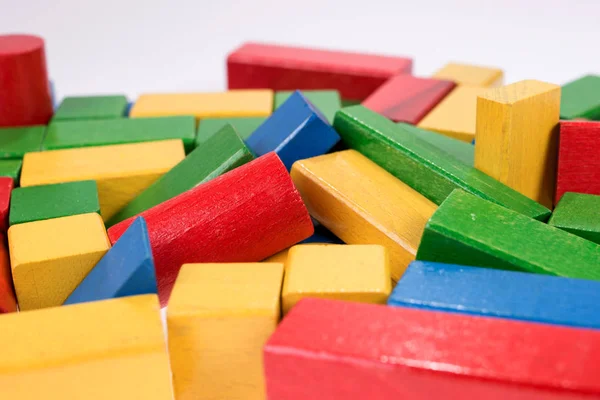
<point>219,317</point>
<point>233,103</point>
<point>50,258</point>
<point>340,272</point>
<point>456,115</point>
<point>112,349</point>
<point>472,75</point>
<point>282,256</point>
<point>361,203</point>
<point>121,171</point>
<point>517,137</point>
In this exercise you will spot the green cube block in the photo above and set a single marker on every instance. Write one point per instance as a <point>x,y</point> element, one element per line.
<point>579,214</point>
<point>244,126</point>
<point>15,142</point>
<point>91,107</point>
<point>581,98</point>
<point>327,101</point>
<point>36,203</point>
<point>11,168</point>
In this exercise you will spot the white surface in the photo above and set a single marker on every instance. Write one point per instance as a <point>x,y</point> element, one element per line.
<point>120,46</point>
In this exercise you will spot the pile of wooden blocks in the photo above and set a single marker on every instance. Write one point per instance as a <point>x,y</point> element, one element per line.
<point>331,227</point>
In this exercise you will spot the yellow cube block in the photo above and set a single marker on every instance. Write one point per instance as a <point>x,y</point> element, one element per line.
<point>472,75</point>
<point>112,349</point>
<point>50,258</point>
<point>340,272</point>
<point>219,317</point>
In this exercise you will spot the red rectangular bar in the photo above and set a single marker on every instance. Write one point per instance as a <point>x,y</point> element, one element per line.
<point>354,75</point>
<point>328,350</point>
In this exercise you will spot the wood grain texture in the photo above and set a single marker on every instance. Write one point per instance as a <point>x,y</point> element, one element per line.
<point>407,98</point>
<point>464,152</point>
<point>502,294</point>
<point>245,215</point>
<point>244,126</point>
<point>333,350</point>
<point>581,98</point>
<point>517,137</point>
<point>471,75</point>
<point>8,300</point>
<point>342,272</point>
<point>102,350</point>
<point>50,258</point>
<point>121,171</point>
<point>219,318</point>
<point>6,189</point>
<point>422,166</point>
<point>467,230</point>
<point>11,168</point>
<point>328,102</point>
<point>380,210</point>
<point>354,75</point>
<point>91,107</point>
<point>578,214</point>
<point>15,142</point>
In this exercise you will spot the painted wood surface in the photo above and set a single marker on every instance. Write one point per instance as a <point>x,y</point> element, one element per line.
<point>15,142</point>
<point>11,168</point>
<point>328,102</point>
<point>8,299</point>
<point>244,126</point>
<point>464,152</point>
<point>6,189</point>
<point>578,214</point>
<point>91,107</point>
<point>581,98</point>
<point>471,75</point>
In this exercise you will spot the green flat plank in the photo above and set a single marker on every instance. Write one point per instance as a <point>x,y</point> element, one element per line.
<point>579,214</point>
<point>15,142</point>
<point>10,168</point>
<point>581,98</point>
<point>244,126</point>
<point>91,107</point>
<point>349,103</point>
<point>327,101</point>
<point>36,203</point>
<point>69,134</point>
<point>220,153</point>
<point>421,165</point>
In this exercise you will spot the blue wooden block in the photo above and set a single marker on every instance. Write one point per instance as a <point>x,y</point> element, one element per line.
<point>322,235</point>
<point>127,269</point>
<point>128,109</point>
<point>295,131</point>
<point>496,293</point>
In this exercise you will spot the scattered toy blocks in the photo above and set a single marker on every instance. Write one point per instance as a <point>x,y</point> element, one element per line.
<point>581,98</point>
<point>464,152</point>
<point>243,126</point>
<point>11,168</point>
<point>578,214</point>
<point>471,75</point>
<point>6,189</point>
<point>8,300</point>
<point>219,318</point>
<point>15,142</point>
<point>328,102</point>
<point>91,107</point>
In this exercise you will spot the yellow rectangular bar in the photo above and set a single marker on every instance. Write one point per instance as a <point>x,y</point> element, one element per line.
<point>472,75</point>
<point>121,171</point>
<point>112,349</point>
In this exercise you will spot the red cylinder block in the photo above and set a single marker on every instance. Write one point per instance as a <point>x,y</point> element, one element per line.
<point>245,215</point>
<point>24,87</point>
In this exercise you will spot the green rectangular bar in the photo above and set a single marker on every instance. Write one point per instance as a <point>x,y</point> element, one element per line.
<point>91,107</point>
<point>244,126</point>
<point>327,101</point>
<point>11,168</point>
<point>577,213</point>
<point>15,142</point>
<point>581,98</point>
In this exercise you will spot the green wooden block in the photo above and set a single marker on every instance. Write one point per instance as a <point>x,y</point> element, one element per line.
<point>244,126</point>
<point>91,107</point>
<point>36,203</point>
<point>581,98</point>
<point>421,165</point>
<point>327,101</point>
<point>10,168</point>
<point>15,142</point>
<point>467,230</point>
<point>579,214</point>
<point>69,134</point>
<point>220,153</point>
<point>349,103</point>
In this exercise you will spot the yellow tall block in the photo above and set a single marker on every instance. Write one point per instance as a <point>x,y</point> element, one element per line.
<point>219,317</point>
<point>340,272</point>
<point>50,258</point>
<point>517,137</point>
<point>233,103</point>
<point>121,171</point>
<point>361,203</point>
<point>471,75</point>
<point>112,349</point>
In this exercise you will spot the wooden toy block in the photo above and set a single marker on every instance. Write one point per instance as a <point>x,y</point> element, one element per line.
<point>36,203</point>
<point>25,94</point>
<point>219,318</point>
<point>467,230</point>
<point>50,258</point>
<point>581,98</point>
<point>406,98</point>
<point>495,293</point>
<point>456,114</point>
<point>322,235</point>
<point>15,142</point>
<point>103,350</point>
<point>127,269</point>
<point>6,188</point>
<point>234,103</point>
<point>354,75</point>
<point>245,215</point>
<point>578,162</point>
<point>70,134</point>
<point>295,131</point>
<point>10,168</point>
<point>121,171</point>
<point>422,166</point>
<point>471,75</point>
<point>8,301</point>
<point>326,101</point>
<point>328,349</point>
<point>578,214</point>
<point>464,152</point>
<point>343,272</point>
<point>379,210</point>
<point>517,137</point>
<point>220,153</point>
<point>91,107</point>
<point>243,126</point>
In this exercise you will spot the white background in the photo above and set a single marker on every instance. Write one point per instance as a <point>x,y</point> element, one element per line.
<point>121,46</point>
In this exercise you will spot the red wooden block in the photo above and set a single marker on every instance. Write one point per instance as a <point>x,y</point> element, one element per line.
<point>333,350</point>
<point>6,187</point>
<point>245,215</point>
<point>354,75</point>
<point>24,87</point>
<point>406,98</point>
<point>8,300</point>
<point>578,158</point>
